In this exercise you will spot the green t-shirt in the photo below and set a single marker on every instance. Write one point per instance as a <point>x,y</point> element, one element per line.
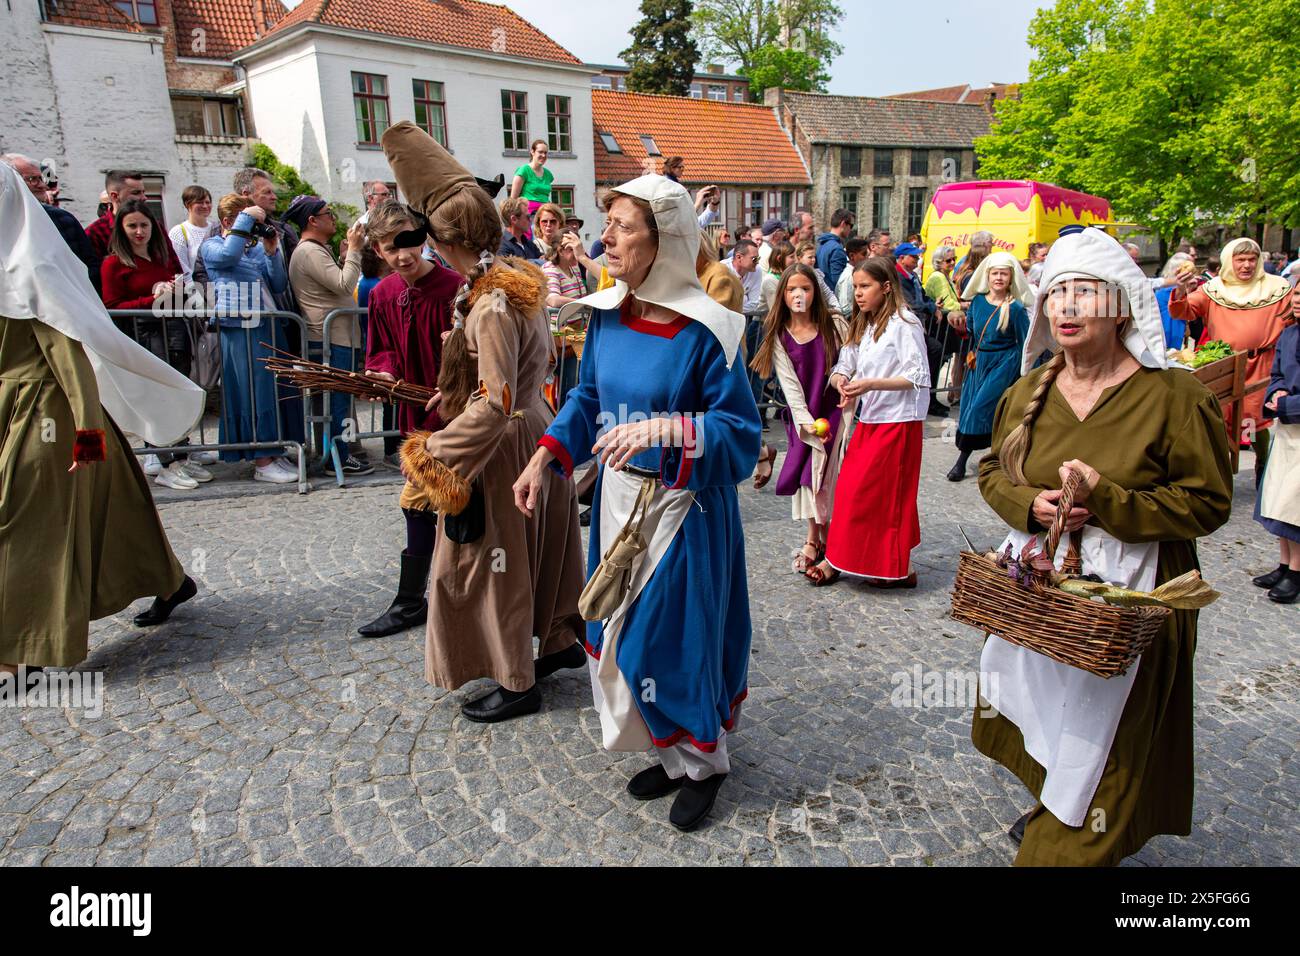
<point>536,188</point>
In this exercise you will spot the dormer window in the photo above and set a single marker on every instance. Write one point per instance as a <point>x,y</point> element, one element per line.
<point>143,12</point>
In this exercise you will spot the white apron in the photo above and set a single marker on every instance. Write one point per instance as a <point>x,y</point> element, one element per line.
<point>1068,717</point>
<point>621,724</point>
<point>1279,493</point>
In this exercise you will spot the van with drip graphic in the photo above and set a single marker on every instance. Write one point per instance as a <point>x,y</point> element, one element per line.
<point>1017,212</point>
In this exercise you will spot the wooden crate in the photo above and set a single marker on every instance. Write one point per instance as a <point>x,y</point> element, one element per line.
<point>1226,380</point>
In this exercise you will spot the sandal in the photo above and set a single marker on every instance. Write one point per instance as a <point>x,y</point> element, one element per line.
<point>821,578</point>
<point>765,458</point>
<point>803,560</point>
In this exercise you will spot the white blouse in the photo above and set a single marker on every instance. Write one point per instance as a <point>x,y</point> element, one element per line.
<point>899,353</point>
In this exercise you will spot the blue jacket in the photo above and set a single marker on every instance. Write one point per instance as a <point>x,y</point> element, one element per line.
<point>831,257</point>
<point>1286,374</point>
<point>242,277</point>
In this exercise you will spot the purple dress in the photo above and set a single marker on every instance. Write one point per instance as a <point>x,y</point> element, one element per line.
<point>809,361</point>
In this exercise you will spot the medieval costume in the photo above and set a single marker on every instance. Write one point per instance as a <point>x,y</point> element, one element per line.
<point>997,334</point>
<point>1249,316</point>
<point>1277,507</point>
<point>876,524</point>
<point>406,327</point>
<point>670,665</point>
<point>499,578</point>
<point>82,544</point>
<point>1110,760</point>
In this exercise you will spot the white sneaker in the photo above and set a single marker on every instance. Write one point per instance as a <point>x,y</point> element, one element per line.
<point>287,466</point>
<point>273,474</point>
<point>174,476</point>
<point>196,471</point>
<point>151,465</point>
<point>204,457</point>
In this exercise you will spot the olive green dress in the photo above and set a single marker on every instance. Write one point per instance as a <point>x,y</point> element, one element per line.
<point>1158,441</point>
<point>73,547</point>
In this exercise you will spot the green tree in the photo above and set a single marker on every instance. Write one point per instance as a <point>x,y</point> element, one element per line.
<point>663,54</point>
<point>750,33</point>
<point>774,66</point>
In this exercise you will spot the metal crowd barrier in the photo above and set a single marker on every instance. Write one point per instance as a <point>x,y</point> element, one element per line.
<point>188,318</point>
<point>329,441</point>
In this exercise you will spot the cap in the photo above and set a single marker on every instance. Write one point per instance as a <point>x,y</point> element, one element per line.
<point>771,226</point>
<point>906,249</point>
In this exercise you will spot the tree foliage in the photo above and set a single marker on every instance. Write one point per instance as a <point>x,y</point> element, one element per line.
<point>290,184</point>
<point>1174,110</point>
<point>663,54</point>
<point>785,42</point>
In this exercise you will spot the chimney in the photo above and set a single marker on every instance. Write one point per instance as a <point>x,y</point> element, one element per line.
<point>714,68</point>
<point>772,96</point>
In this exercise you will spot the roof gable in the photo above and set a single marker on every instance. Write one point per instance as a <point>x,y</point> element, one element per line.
<point>227,25</point>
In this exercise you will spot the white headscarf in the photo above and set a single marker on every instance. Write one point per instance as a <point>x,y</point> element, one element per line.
<point>1019,288</point>
<point>1092,254</point>
<point>41,279</point>
<point>672,282</point>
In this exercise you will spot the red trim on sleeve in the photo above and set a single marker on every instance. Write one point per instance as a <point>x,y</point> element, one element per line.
<point>553,445</point>
<point>689,448</point>
<point>89,445</point>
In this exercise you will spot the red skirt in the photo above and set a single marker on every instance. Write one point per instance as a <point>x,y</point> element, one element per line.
<point>875,524</point>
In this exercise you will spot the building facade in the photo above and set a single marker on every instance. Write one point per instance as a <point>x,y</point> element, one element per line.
<point>145,85</point>
<point>711,84</point>
<point>738,147</point>
<point>478,78</point>
<point>880,158</point>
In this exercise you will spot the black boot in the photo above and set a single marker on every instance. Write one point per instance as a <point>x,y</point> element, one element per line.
<point>653,783</point>
<point>1017,831</point>
<point>503,704</point>
<point>567,659</point>
<point>1287,590</point>
<point>1272,579</point>
<point>695,801</point>
<point>958,471</point>
<point>410,607</point>
<point>162,608</point>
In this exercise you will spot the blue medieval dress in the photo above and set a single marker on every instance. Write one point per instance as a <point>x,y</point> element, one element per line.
<point>681,640</point>
<point>997,367</point>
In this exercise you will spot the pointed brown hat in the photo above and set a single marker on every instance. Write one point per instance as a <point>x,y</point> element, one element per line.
<point>426,173</point>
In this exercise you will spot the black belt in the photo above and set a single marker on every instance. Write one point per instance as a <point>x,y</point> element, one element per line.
<point>641,472</point>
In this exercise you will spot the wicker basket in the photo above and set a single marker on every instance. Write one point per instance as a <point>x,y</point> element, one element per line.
<point>1099,638</point>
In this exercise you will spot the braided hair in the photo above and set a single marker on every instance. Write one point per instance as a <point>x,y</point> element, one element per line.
<point>1015,448</point>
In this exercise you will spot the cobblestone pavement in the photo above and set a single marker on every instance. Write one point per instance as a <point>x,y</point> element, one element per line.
<point>254,729</point>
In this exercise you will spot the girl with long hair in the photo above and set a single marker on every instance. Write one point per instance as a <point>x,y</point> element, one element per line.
<point>801,343</point>
<point>884,373</point>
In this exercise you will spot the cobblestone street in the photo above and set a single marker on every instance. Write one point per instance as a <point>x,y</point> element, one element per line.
<point>256,728</point>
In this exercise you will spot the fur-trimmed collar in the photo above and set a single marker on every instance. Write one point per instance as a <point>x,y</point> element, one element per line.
<point>522,283</point>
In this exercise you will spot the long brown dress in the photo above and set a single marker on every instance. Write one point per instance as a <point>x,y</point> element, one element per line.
<point>1168,480</point>
<point>488,598</point>
<point>73,547</point>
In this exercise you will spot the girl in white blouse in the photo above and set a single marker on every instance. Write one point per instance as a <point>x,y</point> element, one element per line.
<point>883,370</point>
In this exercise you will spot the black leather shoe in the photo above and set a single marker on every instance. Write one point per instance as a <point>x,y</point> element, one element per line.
<point>695,801</point>
<point>503,704</point>
<point>957,472</point>
<point>162,608</point>
<point>1017,831</point>
<point>410,608</point>
<point>584,518</point>
<point>1271,579</point>
<point>1286,590</point>
<point>567,659</point>
<point>937,409</point>
<point>653,783</point>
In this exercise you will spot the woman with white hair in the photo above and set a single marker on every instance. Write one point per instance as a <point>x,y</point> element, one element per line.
<point>1175,329</point>
<point>664,402</point>
<point>1109,760</point>
<point>997,321</point>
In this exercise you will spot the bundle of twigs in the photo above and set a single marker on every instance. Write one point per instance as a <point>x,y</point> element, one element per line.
<point>308,374</point>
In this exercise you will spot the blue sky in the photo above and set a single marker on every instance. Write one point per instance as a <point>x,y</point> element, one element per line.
<point>889,47</point>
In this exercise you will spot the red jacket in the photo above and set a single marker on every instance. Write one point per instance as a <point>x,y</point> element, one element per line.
<point>132,288</point>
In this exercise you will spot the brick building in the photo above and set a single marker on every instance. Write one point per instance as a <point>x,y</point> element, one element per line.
<point>879,157</point>
<point>738,147</point>
<point>711,84</point>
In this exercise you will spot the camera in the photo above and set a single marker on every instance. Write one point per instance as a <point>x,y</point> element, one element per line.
<point>260,230</point>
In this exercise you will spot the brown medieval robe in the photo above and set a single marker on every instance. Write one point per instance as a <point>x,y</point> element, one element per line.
<point>521,578</point>
<point>73,546</point>
<point>1169,481</point>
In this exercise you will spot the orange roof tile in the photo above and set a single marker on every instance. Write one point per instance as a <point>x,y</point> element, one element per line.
<point>723,143</point>
<point>228,25</point>
<point>97,14</point>
<point>959,94</point>
<point>468,23</point>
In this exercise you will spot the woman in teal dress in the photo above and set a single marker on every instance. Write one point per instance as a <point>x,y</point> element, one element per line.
<point>998,322</point>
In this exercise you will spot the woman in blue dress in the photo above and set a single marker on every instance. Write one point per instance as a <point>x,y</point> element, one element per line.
<point>664,402</point>
<point>997,322</point>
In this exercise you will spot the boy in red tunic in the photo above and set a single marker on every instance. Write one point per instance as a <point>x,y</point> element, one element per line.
<point>410,315</point>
